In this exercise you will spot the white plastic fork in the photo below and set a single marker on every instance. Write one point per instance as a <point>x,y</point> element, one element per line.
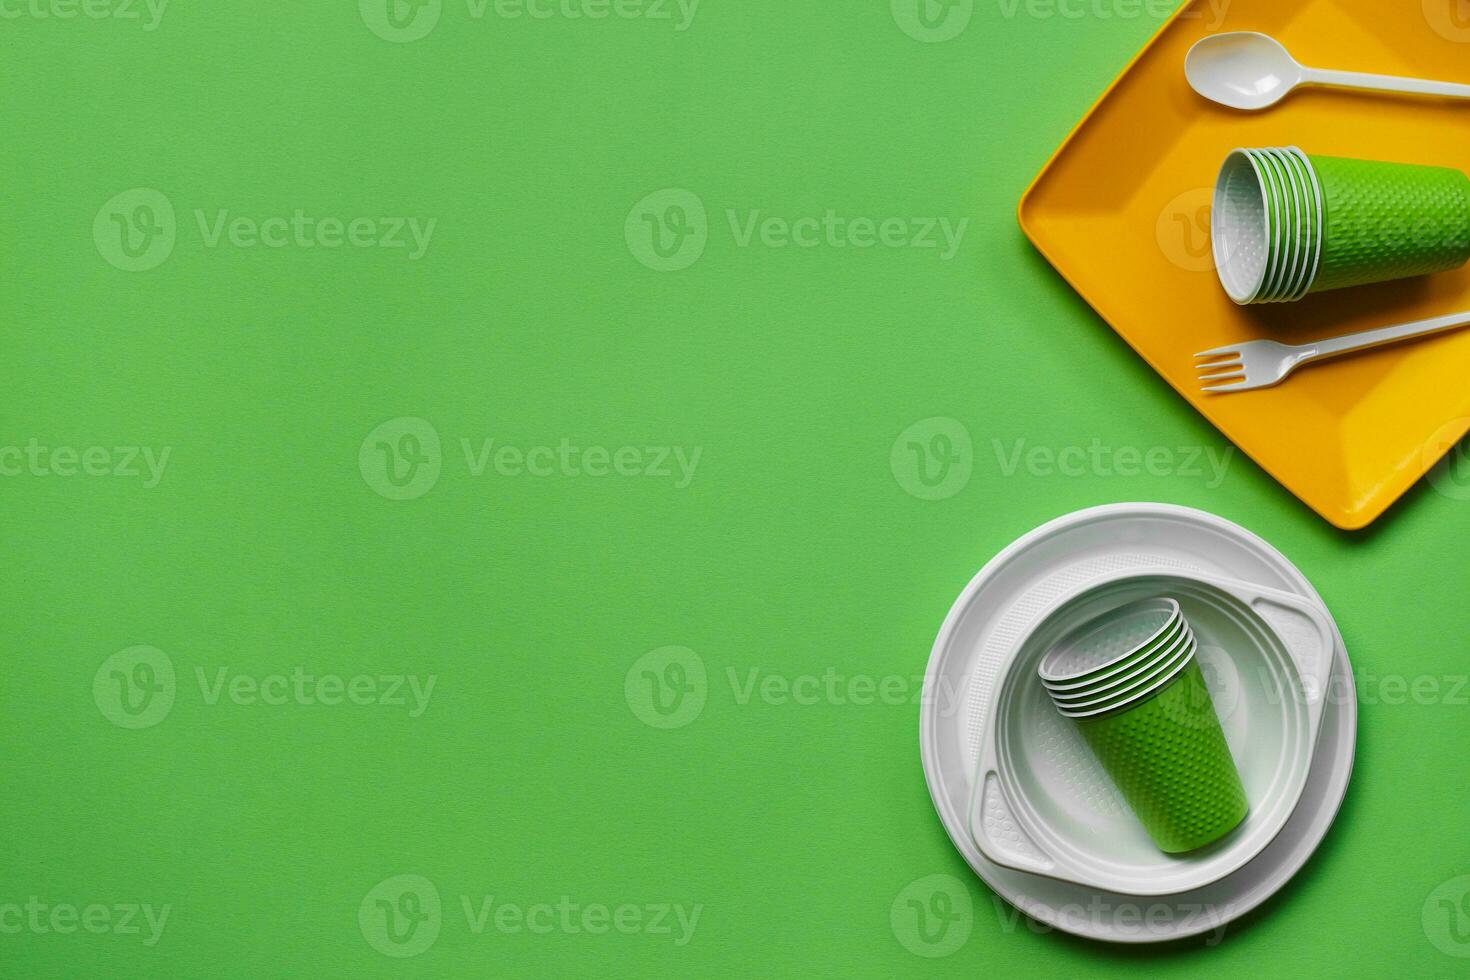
<point>1264,363</point>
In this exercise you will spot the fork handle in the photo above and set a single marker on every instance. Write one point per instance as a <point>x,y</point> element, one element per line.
<point>1384,335</point>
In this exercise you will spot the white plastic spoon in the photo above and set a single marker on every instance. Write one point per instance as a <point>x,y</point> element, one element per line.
<point>1247,70</point>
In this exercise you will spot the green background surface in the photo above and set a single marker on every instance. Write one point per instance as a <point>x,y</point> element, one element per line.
<point>801,545</point>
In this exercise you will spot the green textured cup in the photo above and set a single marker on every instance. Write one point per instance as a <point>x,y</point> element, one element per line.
<point>1170,761</point>
<point>1286,224</point>
<point>1390,221</point>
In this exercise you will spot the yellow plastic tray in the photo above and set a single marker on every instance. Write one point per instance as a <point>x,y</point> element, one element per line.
<point>1122,211</point>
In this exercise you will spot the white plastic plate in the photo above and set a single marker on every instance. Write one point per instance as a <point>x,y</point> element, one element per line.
<point>1043,803</point>
<point>974,640</point>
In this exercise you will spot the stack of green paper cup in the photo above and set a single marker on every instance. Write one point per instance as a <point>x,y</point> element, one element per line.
<point>1130,681</point>
<point>1287,224</point>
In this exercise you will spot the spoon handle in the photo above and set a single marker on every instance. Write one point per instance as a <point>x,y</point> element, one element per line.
<point>1385,83</point>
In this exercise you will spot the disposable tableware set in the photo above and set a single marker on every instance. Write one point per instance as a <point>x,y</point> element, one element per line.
<point>1144,707</point>
<point>1286,224</point>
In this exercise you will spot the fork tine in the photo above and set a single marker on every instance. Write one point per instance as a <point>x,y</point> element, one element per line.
<point>1219,351</point>
<point>1229,371</point>
<point>1240,385</point>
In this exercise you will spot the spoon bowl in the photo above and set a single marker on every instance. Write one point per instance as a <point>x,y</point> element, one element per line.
<point>1242,70</point>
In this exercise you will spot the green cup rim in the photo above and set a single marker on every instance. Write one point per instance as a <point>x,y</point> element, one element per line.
<point>1128,664</point>
<point>1140,687</point>
<point>1079,633</point>
<point>1274,232</point>
<point>1293,209</point>
<point>1319,236</point>
<point>1226,243</point>
<point>1159,686</point>
<point>1309,218</point>
<point>1135,682</point>
<point>1284,200</point>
